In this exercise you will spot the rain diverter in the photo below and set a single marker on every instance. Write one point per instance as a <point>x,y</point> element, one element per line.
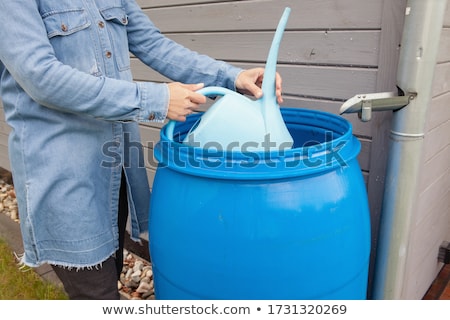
<point>237,122</point>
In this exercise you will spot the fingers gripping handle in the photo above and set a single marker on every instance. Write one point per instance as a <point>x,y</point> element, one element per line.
<point>208,91</point>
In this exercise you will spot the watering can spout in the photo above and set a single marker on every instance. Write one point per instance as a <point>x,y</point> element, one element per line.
<point>270,71</point>
<point>273,120</point>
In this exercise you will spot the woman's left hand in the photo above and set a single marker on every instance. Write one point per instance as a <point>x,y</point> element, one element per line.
<point>249,82</point>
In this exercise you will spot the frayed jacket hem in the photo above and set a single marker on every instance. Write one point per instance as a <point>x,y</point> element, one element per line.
<point>22,261</point>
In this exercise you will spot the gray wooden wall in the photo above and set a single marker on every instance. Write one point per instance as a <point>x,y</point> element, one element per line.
<point>331,50</point>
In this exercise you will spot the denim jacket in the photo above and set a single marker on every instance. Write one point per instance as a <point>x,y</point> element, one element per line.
<point>68,95</point>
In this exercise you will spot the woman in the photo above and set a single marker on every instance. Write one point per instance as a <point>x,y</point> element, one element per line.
<point>74,110</point>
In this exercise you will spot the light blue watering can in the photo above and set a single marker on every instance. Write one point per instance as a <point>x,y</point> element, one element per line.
<point>236,122</point>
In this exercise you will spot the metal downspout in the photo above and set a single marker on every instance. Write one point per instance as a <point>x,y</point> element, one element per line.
<point>418,55</point>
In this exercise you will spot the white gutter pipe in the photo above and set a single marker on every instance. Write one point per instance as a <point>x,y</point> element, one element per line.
<point>418,55</point>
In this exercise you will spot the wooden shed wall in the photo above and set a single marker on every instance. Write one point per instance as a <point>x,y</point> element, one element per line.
<point>431,224</point>
<point>331,50</point>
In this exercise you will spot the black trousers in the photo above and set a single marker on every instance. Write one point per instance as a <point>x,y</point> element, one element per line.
<point>98,283</point>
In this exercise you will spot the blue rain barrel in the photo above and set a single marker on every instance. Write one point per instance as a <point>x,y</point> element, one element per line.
<point>284,225</point>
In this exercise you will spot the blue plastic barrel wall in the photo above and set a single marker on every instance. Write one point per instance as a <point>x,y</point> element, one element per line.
<point>252,225</point>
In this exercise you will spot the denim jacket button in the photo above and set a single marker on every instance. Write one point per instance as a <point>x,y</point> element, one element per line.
<point>108,54</point>
<point>101,24</point>
<point>64,27</point>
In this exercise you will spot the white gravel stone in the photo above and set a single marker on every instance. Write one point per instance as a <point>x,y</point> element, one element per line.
<point>138,265</point>
<point>136,276</point>
<point>143,287</point>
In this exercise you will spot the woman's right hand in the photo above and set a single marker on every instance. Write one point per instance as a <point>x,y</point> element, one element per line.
<point>184,100</point>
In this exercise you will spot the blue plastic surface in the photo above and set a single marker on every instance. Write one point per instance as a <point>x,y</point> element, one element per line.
<point>262,225</point>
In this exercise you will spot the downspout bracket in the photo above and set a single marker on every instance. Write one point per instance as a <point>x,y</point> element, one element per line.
<point>365,104</point>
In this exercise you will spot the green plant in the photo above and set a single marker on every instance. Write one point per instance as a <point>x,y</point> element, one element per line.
<point>23,284</point>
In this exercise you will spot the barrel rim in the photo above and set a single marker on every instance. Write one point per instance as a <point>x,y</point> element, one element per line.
<point>257,165</point>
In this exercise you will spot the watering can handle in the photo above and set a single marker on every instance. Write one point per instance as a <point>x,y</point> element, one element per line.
<point>208,91</point>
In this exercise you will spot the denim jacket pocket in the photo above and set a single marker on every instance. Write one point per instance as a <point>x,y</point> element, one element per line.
<point>63,23</point>
<point>117,20</point>
<point>115,14</point>
<point>69,33</point>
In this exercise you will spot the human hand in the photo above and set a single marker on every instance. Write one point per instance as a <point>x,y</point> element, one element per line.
<point>183,100</point>
<point>250,81</point>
